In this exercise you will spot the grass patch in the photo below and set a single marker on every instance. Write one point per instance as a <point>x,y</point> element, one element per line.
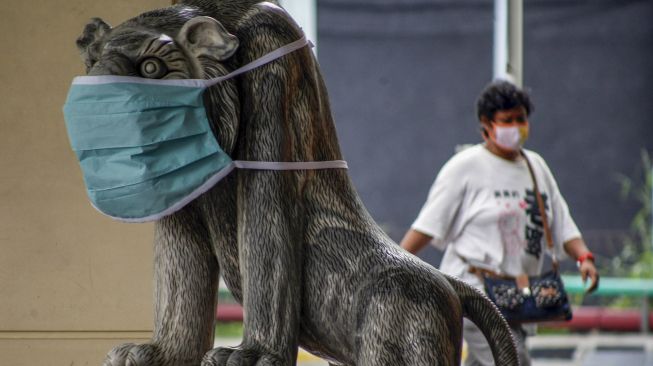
<point>544,330</point>
<point>229,329</point>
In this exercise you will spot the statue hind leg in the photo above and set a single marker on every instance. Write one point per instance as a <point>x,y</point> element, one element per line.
<point>408,320</point>
<point>186,280</point>
<point>418,341</point>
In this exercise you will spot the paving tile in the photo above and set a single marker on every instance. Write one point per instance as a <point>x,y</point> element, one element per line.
<point>615,358</point>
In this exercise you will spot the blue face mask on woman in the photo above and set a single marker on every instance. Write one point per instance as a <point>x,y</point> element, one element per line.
<point>145,146</point>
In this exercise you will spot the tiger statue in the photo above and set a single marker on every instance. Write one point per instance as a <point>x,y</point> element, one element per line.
<point>297,249</point>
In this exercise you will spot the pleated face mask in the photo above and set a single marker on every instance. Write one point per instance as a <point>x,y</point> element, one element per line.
<point>145,146</point>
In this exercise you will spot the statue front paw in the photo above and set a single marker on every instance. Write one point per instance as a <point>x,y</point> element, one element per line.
<point>130,354</point>
<point>246,356</point>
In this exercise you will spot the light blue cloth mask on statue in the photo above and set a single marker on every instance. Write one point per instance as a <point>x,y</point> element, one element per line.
<point>145,146</point>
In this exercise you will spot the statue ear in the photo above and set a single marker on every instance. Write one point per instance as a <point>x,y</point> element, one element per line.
<point>205,36</point>
<point>88,44</point>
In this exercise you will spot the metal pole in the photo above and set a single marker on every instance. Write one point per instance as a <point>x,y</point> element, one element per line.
<point>508,40</point>
<point>500,39</point>
<point>305,14</point>
<point>516,40</point>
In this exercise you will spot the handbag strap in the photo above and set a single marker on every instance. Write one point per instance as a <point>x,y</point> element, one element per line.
<point>545,219</point>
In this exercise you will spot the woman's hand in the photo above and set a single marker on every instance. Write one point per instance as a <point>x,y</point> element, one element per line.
<point>577,250</point>
<point>588,270</point>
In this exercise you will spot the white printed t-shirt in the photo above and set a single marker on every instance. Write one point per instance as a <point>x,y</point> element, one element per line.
<point>483,208</point>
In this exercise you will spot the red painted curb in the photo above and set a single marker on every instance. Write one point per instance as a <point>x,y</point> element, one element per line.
<point>590,317</point>
<point>229,313</point>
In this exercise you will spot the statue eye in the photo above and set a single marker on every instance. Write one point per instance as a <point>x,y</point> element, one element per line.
<point>153,68</point>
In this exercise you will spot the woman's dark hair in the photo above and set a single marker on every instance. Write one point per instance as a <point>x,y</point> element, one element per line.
<point>501,95</point>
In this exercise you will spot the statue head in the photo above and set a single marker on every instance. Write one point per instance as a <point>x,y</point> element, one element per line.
<point>178,42</point>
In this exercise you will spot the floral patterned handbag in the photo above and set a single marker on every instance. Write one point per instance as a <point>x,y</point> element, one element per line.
<point>543,299</point>
<point>526,299</point>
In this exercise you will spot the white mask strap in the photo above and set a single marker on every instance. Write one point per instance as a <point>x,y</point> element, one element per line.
<point>287,165</point>
<point>269,57</point>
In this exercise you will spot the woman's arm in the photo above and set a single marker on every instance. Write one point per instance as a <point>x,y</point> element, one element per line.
<point>577,250</point>
<point>414,241</point>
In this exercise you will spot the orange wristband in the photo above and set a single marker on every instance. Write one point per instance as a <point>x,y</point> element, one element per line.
<point>582,258</point>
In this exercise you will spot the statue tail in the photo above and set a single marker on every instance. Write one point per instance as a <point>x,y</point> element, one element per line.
<point>482,312</point>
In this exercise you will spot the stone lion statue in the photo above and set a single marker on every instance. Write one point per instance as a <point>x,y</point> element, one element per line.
<point>297,249</point>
